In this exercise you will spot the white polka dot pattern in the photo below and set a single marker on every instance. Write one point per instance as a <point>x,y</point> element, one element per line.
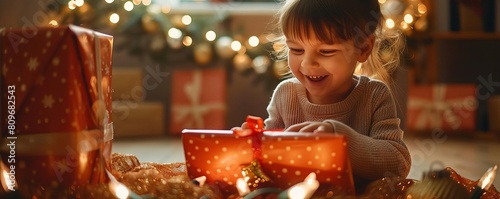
<point>286,159</point>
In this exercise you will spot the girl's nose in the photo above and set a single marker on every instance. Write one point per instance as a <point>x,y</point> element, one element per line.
<point>309,60</point>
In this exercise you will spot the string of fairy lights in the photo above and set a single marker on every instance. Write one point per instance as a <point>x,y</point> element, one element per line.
<point>166,32</point>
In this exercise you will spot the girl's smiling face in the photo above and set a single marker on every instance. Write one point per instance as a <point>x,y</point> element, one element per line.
<point>325,69</point>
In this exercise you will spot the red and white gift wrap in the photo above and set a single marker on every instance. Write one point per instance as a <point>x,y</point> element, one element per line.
<point>198,100</point>
<point>285,157</point>
<point>448,107</point>
<point>63,124</point>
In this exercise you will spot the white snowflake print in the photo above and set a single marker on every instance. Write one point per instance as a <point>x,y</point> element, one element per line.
<point>47,101</point>
<point>33,64</point>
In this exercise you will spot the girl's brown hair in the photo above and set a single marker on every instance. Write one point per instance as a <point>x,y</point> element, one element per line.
<point>346,20</point>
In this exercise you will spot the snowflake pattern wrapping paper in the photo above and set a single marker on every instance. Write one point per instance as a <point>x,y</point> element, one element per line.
<point>285,157</point>
<point>63,124</point>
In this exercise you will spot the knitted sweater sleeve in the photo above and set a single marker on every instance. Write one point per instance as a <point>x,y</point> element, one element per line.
<point>275,120</point>
<point>382,152</point>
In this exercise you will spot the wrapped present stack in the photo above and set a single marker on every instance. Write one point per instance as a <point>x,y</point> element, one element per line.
<point>130,109</point>
<point>56,108</point>
<point>449,108</point>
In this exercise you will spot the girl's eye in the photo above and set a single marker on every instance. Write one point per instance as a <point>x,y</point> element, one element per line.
<point>327,52</point>
<point>296,50</point>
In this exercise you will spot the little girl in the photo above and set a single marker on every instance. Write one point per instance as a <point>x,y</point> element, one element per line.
<point>327,42</point>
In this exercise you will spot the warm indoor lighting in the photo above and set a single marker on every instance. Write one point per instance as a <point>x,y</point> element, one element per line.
<point>187,41</point>
<point>210,35</point>
<point>71,5</point>
<point>381,1</point>
<point>136,2</point>
<point>166,9</point>
<point>408,18</point>
<point>174,33</point>
<point>128,6</point>
<point>109,1</point>
<point>186,20</point>
<point>236,45</point>
<point>53,23</point>
<point>114,18</point>
<point>422,9</point>
<point>79,3</point>
<point>304,189</point>
<point>253,41</point>
<point>146,2</point>
<point>242,187</point>
<point>389,23</point>
<point>488,178</point>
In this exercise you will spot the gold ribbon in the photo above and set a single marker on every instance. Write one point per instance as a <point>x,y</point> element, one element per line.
<point>60,143</point>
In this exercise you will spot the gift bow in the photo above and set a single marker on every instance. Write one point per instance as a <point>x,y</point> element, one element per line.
<point>432,110</point>
<point>196,108</point>
<point>255,131</point>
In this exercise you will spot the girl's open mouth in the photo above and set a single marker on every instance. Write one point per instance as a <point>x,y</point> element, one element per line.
<point>316,78</point>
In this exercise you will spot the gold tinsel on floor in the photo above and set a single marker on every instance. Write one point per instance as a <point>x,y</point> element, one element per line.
<point>169,180</point>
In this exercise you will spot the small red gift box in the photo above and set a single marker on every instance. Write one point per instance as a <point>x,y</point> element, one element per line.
<point>285,158</point>
<point>446,107</point>
<point>198,100</point>
<point>56,107</point>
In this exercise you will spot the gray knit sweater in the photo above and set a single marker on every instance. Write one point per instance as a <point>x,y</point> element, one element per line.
<point>367,117</point>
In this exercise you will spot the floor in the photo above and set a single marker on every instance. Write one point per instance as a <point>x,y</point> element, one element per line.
<point>470,156</point>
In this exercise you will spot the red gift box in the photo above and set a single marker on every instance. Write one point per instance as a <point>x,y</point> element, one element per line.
<point>448,107</point>
<point>198,100</point>
<point>56,106</point>
<point>286,158</point>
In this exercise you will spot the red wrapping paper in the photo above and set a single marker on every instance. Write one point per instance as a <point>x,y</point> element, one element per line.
<point>63,124</point>
<point>198,100</point>
<point>449,107</point>
<point>286,158</point>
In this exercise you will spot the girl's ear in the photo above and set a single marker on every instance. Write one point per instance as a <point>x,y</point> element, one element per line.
<point>366,49</point>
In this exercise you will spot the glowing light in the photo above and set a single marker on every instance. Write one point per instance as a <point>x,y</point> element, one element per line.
<point>408,18</point>
<point>381,1</point>
<point>404,25</point>
<point>304,189</point>
<point>210,35</point>
<point>422,9</point>
<point>166,9</point>
<point>128,6</point>
<point>236,45</point>
<point>109,1</point>
<point>187,41</point>
<point>53,23</point>
<point>154,9</point>
<point>390,23</point>
<point>79,3</point>
<point>253,41</point>
<point>146,2</point>
<point>242,187</point>
<point>488,178</point>
<point>136,2</point>
<point>121,191</point>
<point>186,20</point>
<point>71,5</point>
<point>114,18</point>
<point>174,33</point>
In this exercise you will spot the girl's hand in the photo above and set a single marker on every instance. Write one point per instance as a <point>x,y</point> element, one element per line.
<point>313,127</point>
<point>243,126</point>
